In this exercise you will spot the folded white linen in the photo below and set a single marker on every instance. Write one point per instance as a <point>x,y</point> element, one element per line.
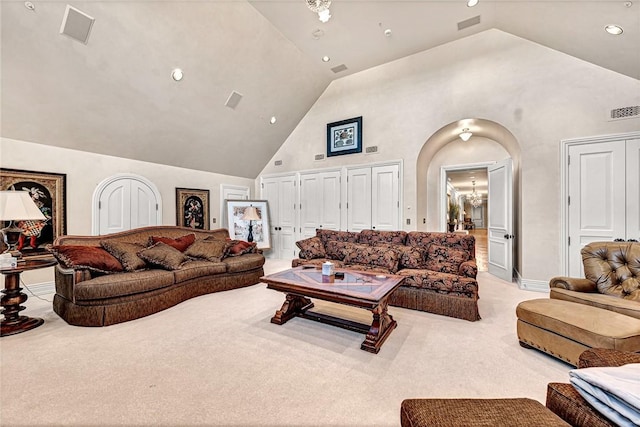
<point>613,391</point>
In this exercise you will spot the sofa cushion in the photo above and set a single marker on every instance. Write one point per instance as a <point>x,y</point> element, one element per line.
<point>117,285</point>
<point>443,283</point>
<point>198,268</point>
<point>368,268</point>
<point>180,243</point>
<point>445,259</point>
<point>410,256</point>
<point>239,247</point>
<point>211,250</point>
<point>371,237</point>
<point>90,257</point>
<point>163,255</point>
<point>243,263</point>
<point>311,248</point>
<point>465,242</point>
<point>127,253</point>
<point>614,267</point>
<point>375,256</point>
<point>336,250</point>
<point>339,236</point>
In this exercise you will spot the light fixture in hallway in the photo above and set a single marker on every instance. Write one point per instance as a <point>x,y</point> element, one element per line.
<point>474,198</point>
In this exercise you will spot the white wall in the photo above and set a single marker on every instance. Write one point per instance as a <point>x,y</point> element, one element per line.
<point>540,95</point>
<point>86,170</point>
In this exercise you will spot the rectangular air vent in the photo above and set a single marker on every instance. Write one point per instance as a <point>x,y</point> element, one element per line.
<point>371,149</point>
<point>339,68</point>
<point>233,100</point>
<point>319,157</point>
<point>624,113</point>
<point>468,22</point>
<point>278,163</point>
<point>76,24</point>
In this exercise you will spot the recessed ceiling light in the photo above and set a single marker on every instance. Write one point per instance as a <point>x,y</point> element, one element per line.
<point>616,30</point>
<point>177,74</point>
<point>387,32</point>
<point>471,3</point>
<point>326,59</point>
<point>273,120</point>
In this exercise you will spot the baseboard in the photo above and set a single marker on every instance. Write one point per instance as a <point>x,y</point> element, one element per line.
<point>531,285</point>
<point>38,289</point>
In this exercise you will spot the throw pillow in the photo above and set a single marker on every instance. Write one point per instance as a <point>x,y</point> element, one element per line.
<point>92,258</point>
<point>239,247</point>
<point>181,243</point>
<point>379,256</point>
<point>127,254</point>
<point>445,259</point>
<point>410,256</point>
<point>164,255</point>
<point>212,250</point>
<point>335,249</point>
<point>311,248</point>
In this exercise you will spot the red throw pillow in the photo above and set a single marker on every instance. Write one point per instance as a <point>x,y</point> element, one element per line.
<point>89,257</point>
<point>181,243</point>
<point>239,247</point>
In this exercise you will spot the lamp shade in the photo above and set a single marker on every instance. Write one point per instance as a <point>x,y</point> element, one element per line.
<point>251,214</point>
<point>18,205</point>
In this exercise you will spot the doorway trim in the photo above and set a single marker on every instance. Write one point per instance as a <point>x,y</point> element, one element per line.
<point>95,201</point>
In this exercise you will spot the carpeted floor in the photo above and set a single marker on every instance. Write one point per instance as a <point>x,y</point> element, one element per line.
<point>217,360</point>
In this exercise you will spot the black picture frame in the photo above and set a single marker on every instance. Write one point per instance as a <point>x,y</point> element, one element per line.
<point>48,190</point>
<point>344,137</point>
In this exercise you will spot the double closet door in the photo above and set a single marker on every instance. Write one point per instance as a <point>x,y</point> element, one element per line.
<point>603,195</point>
<point>320,203</point>
<point>373,198</point>
<point>281,194</point>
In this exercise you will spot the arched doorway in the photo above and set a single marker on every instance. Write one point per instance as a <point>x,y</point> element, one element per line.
<point>429,201</point>
<point>123,202</point>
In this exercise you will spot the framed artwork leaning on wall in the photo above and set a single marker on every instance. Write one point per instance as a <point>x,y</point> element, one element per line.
<point>242,228</point>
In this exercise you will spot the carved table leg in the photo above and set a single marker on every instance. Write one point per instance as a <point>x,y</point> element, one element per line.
<point>380,329</point>
<point>293,305</point>
<point>12,297</point>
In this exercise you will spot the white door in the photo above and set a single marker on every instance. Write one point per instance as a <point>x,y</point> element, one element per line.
<point>319,202</point>
<point>500,220</point>
<point>280,192</point>
<point>633,189</point>
<point>231,192</point>
<point>385,198</point>
<point>359,199</point>
<point>331,195</point>
<point>124,203</point>
<point>596,201</point>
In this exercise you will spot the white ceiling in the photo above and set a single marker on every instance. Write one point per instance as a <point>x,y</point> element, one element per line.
<point>114,95</point>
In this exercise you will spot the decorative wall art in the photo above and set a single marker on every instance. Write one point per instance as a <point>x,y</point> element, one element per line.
<point>48,192</point>
<point>239,226</point>
<point>192,208</point>
<point>344,137</point>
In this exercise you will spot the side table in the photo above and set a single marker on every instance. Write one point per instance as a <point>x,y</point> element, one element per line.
<point>12,297</point>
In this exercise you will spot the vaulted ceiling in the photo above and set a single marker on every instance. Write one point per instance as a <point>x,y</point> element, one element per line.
<point>114,95</point>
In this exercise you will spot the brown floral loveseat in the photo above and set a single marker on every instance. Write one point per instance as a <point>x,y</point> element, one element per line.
<point>439,268</point>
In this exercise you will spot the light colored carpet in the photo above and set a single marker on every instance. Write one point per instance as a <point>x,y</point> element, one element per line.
<point>217,360</point>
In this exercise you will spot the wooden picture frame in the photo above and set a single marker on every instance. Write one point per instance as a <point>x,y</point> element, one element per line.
<point>344,137</point>
<point>239,228</point>
<point>48,190</point>
<point>192,208</point>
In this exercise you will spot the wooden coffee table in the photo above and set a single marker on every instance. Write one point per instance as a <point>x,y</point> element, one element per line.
<point>361,289</point>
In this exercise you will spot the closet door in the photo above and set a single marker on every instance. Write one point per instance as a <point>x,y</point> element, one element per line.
<point>633,189</point>
<point>280,192</point>
<point>330,205</point>
<point>359,199</point>
<point>385,198</point>
<point>310,204</point>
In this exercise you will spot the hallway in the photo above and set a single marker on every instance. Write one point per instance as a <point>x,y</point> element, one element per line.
<point>481,248</point>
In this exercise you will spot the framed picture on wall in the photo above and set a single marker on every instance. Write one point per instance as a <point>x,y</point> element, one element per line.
<point>249,220</point>
<point>192,208</point>
<point>344,137</point>
<point>48,192</point>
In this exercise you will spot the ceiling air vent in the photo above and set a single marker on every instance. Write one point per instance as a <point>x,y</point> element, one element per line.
<point>278,163</point>
<point>468,22</point>
<point>624,113</point>
<point>76,24</point>
<point>339,68</point>
<point>233,100</point>
<point>319,157</point>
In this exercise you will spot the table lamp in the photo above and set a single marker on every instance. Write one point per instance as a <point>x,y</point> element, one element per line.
<point>250,214</point>
<point>16,206</point>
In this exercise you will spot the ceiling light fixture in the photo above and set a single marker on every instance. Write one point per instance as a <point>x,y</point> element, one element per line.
<point>177,74</point>
<point>273,120</point>
<point>616,30</point>
<point>474,198</point>
<point>326,59</point>
<point>471,3</point>
<point>321,7</point>
<point>465,134</point>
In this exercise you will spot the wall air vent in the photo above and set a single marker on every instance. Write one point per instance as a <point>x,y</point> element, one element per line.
<point>76,24</point>
<point>371,149</point>
<point>319,157</point>
<point>339,68</point>
<point>278,163</point>
<point>468,22</point>
<point>624,113</point>
<point>233,100</point>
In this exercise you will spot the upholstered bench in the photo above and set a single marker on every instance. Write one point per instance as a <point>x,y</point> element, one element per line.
<point>565,329</point>
<point>477,412</point>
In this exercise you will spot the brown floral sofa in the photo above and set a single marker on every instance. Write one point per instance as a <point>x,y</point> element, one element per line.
<point>439,268</point>
<point>103,280</point>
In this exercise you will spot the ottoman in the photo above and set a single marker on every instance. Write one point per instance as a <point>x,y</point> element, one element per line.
<point>477,412</point>
<point>565,329</point>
